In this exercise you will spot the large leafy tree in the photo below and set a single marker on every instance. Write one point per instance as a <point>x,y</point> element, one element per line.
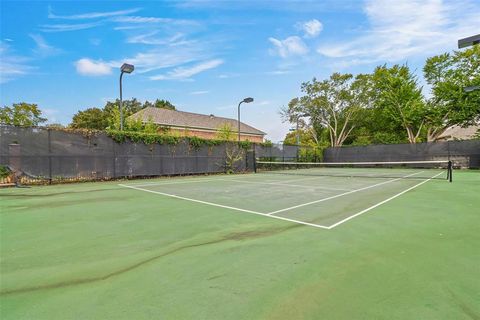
<point>91,118</point>
<point>448,75</point>
<point>21,114</point>
<point>330,105</point>
<point>399,95</point>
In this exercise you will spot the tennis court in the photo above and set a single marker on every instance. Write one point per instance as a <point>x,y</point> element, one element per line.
<point>278,244</point>
<point>313,194</point>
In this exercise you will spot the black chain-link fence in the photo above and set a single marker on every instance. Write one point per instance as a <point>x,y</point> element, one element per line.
<point>463,153</point>
<point>47,155</point>
<point>288,153</point>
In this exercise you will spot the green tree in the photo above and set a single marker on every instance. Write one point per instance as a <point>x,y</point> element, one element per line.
<point>91,118</point>
<point>163,104</point>
<point>330,105</point>
<point>226,133</point>
<point>21,114</point>
<point>398,94</point>
<point>450,105</point>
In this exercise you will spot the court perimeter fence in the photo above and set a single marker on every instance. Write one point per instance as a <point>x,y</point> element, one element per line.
<point>43,155</point>
<point>46,155</point>
<point>463,153</point>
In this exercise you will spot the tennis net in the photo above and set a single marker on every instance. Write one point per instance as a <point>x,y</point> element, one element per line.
<point>402,169</point>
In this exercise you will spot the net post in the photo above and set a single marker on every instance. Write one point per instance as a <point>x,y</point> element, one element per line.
<point>450,170</point>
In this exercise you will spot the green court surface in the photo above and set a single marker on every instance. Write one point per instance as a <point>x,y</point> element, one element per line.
<point>251,246</point>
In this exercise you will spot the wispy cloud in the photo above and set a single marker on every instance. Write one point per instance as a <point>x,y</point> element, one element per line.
<point>12,66</point>
<point>68,27</point>
<point>183,73</point>
<point>150,20</point>
<point>195,93</point>
<point>91,15</point>
<point>263,103</point>
<point>43,49</point>
<point>95,41</point>
<point>403,29</point>
<point>291,46</point>
<point>151,38</point>
<point>311,28</point>
<point>278,72</point>
<point>88,67</point>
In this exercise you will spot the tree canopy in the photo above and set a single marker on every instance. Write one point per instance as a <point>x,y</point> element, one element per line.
<point>388,105</point>
<point>109,115</point>
<point>448,75</point>
<point>21,114</point>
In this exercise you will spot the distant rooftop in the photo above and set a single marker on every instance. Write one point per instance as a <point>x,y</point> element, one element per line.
<point>182,119</point>
<point>459,133</point>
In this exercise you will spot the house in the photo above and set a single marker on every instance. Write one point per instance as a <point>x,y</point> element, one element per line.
<point>195,124</point>
<point>459,133</point>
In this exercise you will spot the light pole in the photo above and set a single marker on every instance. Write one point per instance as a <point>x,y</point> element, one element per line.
<point>246,100</point>
<point>125,68</point>
<point>467,42</point>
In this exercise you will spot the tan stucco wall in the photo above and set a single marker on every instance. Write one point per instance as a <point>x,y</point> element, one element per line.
<point>213,135</point>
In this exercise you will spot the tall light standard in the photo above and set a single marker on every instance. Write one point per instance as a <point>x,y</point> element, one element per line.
<point>125,68</point>
<point>467,42</point>
<point>246,100</point>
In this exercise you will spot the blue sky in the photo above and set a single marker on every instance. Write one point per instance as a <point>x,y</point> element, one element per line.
<point>206,56</point>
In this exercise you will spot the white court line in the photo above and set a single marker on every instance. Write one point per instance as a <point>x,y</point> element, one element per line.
<point>382,202</point>
<point>169,182</point>
<point>285,184</point>
<point>341,194</point>
<point>223,206</point>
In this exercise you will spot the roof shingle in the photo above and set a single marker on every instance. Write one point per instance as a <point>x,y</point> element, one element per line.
<point>165,117</point>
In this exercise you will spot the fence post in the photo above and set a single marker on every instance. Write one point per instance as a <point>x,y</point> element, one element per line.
<point>49,156</point>
<point>114,159</point>
<point>254,158</point>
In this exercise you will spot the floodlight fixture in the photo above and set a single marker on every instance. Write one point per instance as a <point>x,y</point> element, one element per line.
<point>470,41</point>
<point>127,68</point>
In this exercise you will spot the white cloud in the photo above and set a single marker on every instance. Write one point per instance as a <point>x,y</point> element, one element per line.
<point>43,48</point>
<point>311,28</point>
<point>290,46</point>
<point>92,15</point>
<point>183,73</point>
<point>88,67</point>
<point>403,29</point>
<point>12,66</point>
<point>67,27</point>
<point>199,92</point>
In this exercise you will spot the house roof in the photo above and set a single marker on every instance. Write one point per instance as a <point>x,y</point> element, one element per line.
<point>182,119</point>
<point>459,133</point>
